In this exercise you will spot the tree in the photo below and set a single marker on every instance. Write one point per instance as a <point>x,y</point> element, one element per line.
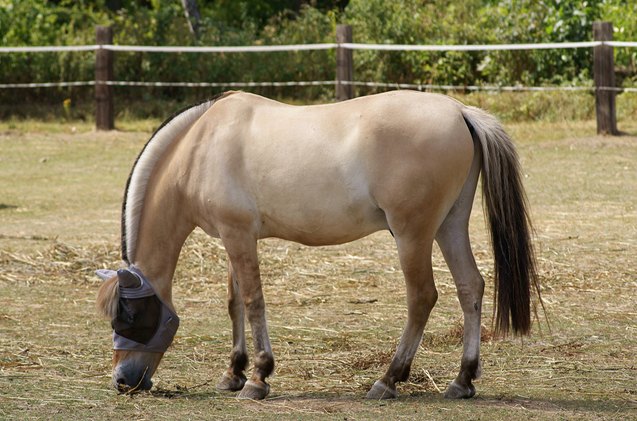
<point>192,16</point>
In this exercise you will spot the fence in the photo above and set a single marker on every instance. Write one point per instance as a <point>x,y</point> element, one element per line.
<point>344,83</point>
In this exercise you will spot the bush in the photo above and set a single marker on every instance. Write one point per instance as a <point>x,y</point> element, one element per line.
<point>474,22</point>
<point>159,22</point>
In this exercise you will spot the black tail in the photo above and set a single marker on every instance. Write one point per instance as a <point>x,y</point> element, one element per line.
<point>509,224</point>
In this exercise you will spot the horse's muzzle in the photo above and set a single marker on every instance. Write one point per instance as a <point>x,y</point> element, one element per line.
<point>129,384</point>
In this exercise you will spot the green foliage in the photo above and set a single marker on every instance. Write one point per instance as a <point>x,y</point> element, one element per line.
<point>622,14</point>
<point>475,22</point>
<point>38,23</point>
<point>527,21</point>
<point>254,22</point>
<point>416,22</point>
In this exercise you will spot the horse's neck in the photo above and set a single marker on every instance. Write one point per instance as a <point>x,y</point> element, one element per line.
<point>162,232</point>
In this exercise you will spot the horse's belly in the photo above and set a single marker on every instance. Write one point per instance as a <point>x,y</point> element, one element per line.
<point>338,223</point>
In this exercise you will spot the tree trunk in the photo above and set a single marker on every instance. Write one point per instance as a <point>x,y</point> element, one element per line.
<point>192,16</point>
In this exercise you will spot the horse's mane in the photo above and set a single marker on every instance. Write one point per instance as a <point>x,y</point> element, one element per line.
<point>108,298</point>
<point>143,167</point>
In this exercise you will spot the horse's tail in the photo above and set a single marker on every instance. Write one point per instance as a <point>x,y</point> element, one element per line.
<point>509,224</point>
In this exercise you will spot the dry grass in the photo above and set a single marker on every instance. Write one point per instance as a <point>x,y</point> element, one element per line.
<point>335,313</point>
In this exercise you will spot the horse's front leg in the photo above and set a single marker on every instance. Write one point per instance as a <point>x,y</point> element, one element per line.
<point>234,379</point>
<point>242,252</point>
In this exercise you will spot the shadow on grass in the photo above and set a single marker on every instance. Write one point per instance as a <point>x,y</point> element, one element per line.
<point>557,405</point>
<point>631,133</point>
<point>348,402</point>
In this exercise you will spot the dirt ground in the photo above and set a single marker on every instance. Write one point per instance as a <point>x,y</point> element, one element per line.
<point>335,313</point>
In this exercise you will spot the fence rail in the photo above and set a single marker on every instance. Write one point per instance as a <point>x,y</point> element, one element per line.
<point>308,47</point>
<point>397,85</point>
<point>604,88</point>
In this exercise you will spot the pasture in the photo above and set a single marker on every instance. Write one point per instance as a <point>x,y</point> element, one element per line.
<point>335,313</point>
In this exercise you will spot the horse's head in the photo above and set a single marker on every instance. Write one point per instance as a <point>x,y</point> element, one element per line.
<point>143,327</point>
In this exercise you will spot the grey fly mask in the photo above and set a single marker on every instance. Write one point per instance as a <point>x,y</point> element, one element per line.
<point>162,328</point>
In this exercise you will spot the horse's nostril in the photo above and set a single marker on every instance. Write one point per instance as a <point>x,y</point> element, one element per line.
<point>121,381</point>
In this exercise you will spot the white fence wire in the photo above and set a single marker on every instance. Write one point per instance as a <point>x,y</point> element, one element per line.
<point>306,47</point>
<point>417,86</point>
<point>309,47</point>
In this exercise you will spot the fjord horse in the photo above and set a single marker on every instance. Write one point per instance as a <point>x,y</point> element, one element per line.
<point>243,167</point>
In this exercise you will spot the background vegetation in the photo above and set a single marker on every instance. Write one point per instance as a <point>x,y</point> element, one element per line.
<point>254,22</point>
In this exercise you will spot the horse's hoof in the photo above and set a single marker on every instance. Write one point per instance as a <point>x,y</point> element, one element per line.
<point>457,391</point>
<point>231,382</point>
<point>254,390</point>
<point>381,391</point>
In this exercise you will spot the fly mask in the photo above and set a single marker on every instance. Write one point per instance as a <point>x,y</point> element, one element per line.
<point>143,321</point>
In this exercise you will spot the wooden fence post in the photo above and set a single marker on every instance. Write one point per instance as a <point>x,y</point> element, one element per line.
<point>104,110</point>
<point>344,64</point>
<point>604,75</point>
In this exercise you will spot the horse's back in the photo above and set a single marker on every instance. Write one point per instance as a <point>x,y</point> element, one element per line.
<point>329,173</point>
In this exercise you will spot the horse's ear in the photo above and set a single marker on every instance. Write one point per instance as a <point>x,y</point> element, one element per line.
<point>128,279</point>
<point>105,274</point>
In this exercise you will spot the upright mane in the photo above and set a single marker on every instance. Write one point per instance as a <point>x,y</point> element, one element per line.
<point>143,167</point>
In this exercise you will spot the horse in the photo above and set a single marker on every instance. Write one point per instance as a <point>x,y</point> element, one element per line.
<point>243,167</point>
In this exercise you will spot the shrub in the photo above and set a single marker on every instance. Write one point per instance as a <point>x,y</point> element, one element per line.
<point>159,22</point>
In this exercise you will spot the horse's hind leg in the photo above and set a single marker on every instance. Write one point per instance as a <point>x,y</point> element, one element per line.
<point>453,239</point>
<point>415,259</point>
<point>455,247</point>
<point>234,379</point>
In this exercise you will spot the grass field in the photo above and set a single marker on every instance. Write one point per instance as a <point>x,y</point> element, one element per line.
<point>335,313</point>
